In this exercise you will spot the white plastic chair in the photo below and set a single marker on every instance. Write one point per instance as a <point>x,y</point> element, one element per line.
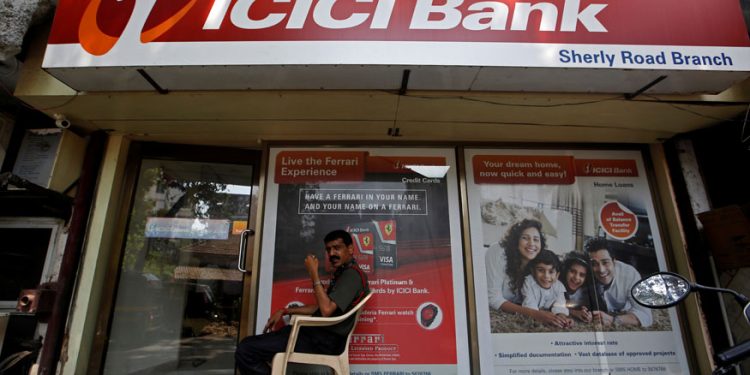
<point>339,363</point>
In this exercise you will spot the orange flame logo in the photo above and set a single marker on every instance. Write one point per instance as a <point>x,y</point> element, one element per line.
<point>96,42</point>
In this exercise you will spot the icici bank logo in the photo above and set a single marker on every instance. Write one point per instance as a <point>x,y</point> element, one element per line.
<point>226,18</point>
<point>98,42</point>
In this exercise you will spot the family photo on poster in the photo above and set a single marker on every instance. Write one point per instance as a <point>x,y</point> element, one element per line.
<point>579,287</point>
<point>559,239</point>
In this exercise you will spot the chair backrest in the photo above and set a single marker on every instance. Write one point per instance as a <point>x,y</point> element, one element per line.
<point>357,309</point>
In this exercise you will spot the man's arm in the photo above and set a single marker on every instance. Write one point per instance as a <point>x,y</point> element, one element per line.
<point>298,310</point>
<point>301,310</point>
<point>628,319</point>
<point>641,314</point>
<point>636,314</point>
<point>324,303</point>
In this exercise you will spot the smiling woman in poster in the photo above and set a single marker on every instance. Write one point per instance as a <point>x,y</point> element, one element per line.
<point>505,264</point>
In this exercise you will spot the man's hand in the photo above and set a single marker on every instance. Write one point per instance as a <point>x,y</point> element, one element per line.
<point>311,263</point>
<point>271,323</point>
<point>603,318</point>
<point>324,303</point>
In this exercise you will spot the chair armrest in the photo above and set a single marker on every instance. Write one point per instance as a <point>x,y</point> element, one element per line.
<point>316,321</point>
<point>321,321</point>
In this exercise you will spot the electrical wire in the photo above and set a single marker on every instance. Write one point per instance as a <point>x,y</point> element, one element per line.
<point>70,100</point>
<point>506,104</point>
<point>675,106</point>
<point>24,104</point>
<point>589,102</point>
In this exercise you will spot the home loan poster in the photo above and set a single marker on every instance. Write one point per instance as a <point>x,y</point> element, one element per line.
<point>401,208</point>
<point>546,304</point>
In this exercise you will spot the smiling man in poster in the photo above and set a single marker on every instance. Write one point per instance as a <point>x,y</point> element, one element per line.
<point>614,279</point>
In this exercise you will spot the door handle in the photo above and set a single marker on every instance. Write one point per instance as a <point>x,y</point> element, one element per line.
<point>243,244</point>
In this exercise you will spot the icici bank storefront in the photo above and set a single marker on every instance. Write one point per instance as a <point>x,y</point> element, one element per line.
<point>239,132</point>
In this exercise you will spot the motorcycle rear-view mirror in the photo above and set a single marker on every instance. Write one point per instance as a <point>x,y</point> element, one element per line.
<point>661,290</point>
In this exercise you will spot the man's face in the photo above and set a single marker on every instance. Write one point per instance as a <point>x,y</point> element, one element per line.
<point>545,275</point>
<point>338,252</point>
<point>603,265</point>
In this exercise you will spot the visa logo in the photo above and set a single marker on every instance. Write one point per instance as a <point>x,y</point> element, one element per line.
<point>385,259</point>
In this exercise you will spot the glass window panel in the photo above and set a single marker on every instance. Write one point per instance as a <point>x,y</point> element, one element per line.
<point>177,305</point>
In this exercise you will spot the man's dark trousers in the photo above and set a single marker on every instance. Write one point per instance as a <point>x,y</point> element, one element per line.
<point>255,352</point>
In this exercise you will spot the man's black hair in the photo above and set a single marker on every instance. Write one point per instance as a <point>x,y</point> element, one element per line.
<point>596,244</point>
<point>338,234</point>
<point>546,257</point>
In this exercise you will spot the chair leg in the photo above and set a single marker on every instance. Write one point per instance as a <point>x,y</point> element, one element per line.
<point>344,365</point>
<point>277,365</point>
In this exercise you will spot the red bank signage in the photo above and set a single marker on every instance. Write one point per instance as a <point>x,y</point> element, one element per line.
<point>546,169</point>
<point>632,34</point>
<point>523,169</point>
<point>295,167</point>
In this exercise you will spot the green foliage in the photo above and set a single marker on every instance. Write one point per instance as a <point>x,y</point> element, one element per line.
<point>161,195</point>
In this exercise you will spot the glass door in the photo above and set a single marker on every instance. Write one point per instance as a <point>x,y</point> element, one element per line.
<point>178,301</point>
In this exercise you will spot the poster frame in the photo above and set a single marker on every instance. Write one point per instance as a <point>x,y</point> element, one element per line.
<point>679,317</point>
<point>267,215</point>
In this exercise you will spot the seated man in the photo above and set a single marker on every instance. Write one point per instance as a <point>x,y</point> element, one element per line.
<point>347,287</point>
<point>614,280</point>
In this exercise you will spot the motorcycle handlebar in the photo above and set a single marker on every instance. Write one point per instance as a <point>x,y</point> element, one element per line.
<point>733,354</point>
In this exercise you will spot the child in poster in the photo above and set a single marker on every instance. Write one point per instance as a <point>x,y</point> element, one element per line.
<point>541,288</point>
